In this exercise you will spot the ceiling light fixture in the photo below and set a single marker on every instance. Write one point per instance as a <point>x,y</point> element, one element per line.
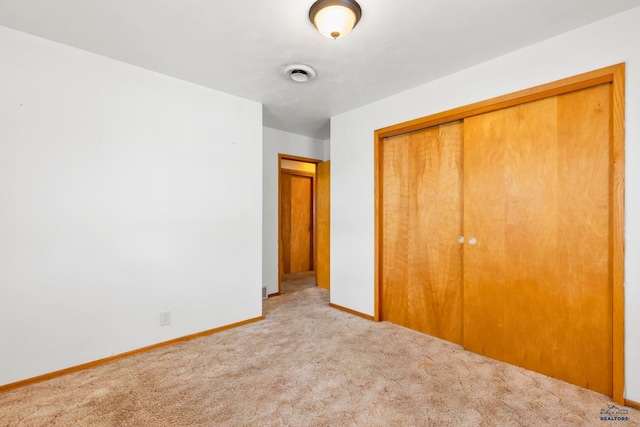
<point>335,18</point>
<point>299,73</point>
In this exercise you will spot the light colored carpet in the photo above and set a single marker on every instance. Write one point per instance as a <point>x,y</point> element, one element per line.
<point>307,364</point>
<point>295,282</point>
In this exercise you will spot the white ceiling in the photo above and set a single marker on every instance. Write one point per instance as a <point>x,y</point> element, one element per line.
<point>240,47</point>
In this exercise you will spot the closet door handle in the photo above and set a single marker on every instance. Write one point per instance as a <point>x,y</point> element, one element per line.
<point>461,239</point>
<point>472,240</point>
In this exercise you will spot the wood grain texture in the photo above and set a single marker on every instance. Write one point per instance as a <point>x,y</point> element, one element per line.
<point>395,230</point>
<point>584,169</point>
<point>301,224</point>
<point>537,292</point>
<point>378,228</point>
<point>422,262</point>
<point>484,219</point>
<point>530,182</point>
<point>323,224</point>
<point>617,228</point>
<point>285,223</point>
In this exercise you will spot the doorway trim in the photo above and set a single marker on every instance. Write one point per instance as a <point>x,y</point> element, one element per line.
<point>313,210</point>
<point>615,75</point>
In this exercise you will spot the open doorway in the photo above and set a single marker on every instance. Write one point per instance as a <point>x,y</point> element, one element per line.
<point>303,231</point>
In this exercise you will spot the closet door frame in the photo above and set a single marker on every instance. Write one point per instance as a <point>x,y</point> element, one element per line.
<point>614,75</point>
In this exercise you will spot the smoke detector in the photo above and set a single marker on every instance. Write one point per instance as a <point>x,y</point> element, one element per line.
<point>299,73</point>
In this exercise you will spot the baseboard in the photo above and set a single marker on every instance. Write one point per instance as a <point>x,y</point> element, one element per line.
<point>275,294</point>
<point>89,365</point>
<point>348,310</point>
<point>632,404</point>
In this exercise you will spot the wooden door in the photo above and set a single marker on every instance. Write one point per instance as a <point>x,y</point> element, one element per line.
<point>323,222</point>
<point>421,219</point>
<point>301,223</point>
<point>537,289</point>
<point>296,222</point>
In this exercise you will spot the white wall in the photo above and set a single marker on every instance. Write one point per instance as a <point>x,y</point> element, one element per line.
<point>123,193</point>
<point>327,149</point>
<point>601,44</point>
<point>278,142</point>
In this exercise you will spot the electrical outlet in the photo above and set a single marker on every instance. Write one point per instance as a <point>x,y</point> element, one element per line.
<point>165,318</point>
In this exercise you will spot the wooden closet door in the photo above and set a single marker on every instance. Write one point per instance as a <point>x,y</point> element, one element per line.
<point>537,290</point>
<point>422,218</point>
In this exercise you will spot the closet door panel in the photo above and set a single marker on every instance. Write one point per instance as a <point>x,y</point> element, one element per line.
<point>584,244</point>
<point>537,288</point>
<point>484,221</point>
<point>531,236</point>
<point>395,218</point>
<point>437,209</point>
<point>447,278</point>
<point>422,217</point>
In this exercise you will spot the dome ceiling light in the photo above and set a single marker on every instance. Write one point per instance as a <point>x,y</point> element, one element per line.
<point>335,18</point>
<point>299,73</point>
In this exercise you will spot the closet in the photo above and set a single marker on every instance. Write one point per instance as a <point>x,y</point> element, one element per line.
<point>499,227</point>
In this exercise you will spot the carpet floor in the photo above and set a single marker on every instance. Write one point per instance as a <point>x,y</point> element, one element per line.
<point>295,282</point>
<point>307,364</point>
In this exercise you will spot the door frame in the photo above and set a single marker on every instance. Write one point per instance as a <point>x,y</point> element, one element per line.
<point>615,75</point>
<point>313,210</point>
